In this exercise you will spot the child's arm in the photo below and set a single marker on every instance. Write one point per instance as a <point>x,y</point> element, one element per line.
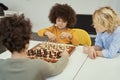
<point>50,35</point>
<point>93,51</point>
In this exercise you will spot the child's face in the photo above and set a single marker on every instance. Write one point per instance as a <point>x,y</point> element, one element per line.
<point>99,28</point>
<point>60,23</point>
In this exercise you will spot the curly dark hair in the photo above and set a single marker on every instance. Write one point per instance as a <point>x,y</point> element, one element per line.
<point>15,32</point>
<point>63,11</point>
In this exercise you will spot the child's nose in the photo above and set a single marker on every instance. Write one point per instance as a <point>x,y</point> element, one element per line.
<point>60,22</point>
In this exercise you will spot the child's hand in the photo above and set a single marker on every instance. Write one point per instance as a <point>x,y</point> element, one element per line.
<point>92,53</point>
<point>65,35</point>
<point>86,49</point>
<point>51,36</point>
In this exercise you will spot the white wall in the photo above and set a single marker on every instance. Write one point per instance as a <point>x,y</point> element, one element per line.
<point>38,10</point>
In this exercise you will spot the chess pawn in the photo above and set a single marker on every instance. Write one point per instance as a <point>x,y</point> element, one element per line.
<point>62,47</point>
<point>47,58</point>
<point>29,53</point>
<point>50,55</point>
<point>59,54</point>
<point>38,53</point>
<point>32,53</point>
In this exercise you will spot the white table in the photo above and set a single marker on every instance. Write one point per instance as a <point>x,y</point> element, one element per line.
<point>76,61</point>
<point>80,67</point>
<point>100,69</point>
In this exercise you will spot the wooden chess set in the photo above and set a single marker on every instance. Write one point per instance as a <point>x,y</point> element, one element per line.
<point>49,51</point>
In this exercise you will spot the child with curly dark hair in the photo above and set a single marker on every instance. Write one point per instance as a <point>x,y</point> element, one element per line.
<point>64,18</point>
<point>15,33</point>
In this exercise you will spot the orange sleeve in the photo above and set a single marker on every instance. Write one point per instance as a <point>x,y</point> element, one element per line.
<point>74,39</point>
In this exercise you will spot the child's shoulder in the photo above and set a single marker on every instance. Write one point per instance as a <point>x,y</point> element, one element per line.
<point>117,30</point>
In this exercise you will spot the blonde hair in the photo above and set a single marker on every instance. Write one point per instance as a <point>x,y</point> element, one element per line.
<point>106,17</point>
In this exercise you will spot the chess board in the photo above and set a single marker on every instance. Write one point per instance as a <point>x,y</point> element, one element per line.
<point>48,51</point>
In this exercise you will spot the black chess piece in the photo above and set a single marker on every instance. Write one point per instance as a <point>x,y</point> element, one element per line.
<point>58,54</point>
<point>30,52</point>
<point>38,54</point>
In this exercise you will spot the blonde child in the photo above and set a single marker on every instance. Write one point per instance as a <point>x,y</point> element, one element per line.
<point>107,24</point>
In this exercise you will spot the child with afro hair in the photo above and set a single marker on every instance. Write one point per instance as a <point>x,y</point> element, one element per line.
<point>63,18</point>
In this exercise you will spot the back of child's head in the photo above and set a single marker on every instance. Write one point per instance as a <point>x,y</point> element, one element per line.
<point>15,32</point>
<point>107,17</point>
<point>64,11</point>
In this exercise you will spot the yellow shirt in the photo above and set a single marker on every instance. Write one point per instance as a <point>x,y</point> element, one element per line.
<point>75,37</point>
